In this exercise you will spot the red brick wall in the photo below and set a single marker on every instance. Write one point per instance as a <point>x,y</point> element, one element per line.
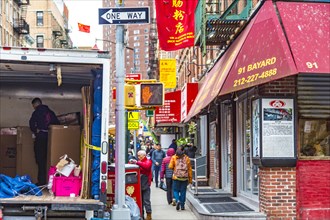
<point>282,87</point>
<point>278,192</point>
<point>214,174</point>
<point>313,189</point>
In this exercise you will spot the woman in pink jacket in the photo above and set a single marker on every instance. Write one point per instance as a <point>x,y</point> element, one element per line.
<point>167,173</point>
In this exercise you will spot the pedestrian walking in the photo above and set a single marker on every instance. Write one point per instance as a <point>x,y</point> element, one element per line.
<point>168,173</point>
<point>157,158</point>
<point>182,175</point>
<point>145,173</point>
<point>173,145</point>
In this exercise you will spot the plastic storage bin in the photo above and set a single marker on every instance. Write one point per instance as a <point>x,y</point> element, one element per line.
<point>64,186</point>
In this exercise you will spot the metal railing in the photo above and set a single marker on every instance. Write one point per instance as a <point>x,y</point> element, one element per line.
<point>199,170</point>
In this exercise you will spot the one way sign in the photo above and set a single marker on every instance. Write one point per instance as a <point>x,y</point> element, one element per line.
<point>124,15</point>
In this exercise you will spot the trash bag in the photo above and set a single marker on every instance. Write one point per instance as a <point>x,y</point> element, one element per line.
<point>11,187</point>
<point>134,208</point>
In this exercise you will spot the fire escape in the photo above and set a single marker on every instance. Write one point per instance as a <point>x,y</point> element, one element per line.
<point>153,61</point>
<point>20,25</point>
<point>216,28</point>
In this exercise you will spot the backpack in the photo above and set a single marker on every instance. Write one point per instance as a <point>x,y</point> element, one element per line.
<point>181,168</point>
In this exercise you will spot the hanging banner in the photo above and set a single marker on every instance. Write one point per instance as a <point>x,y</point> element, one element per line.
<point>176,23</point>
<point>171,111</point>
<point>167,72</point>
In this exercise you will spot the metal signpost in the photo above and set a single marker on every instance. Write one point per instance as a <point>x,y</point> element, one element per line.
<point>120,16</point>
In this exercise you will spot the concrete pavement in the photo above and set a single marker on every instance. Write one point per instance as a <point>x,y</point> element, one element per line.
<point>162,210</point>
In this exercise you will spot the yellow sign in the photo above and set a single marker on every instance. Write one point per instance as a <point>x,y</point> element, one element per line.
<point>133,125</point>
<point>129,95</point>
<point>167,71</point>
<point>133,116</point>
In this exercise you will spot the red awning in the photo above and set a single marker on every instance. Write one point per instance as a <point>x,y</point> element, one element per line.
<point>307,27</point>
<point>261,53</point>
<point>214,79</point>
<point>265,55</point>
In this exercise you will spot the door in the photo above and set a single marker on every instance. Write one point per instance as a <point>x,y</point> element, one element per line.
<point>226,145</point>
<point>247,175</point>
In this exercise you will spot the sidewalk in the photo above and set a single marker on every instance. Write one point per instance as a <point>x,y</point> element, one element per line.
<point>162,210</point>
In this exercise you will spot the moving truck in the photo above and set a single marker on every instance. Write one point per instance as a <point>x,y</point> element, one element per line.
<point>56,76</point>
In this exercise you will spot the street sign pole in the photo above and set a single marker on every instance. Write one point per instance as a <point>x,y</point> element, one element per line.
<point>120,210</point>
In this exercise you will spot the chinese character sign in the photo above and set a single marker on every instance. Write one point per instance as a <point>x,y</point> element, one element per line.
<point>167,72</point>
<point>175,22</point>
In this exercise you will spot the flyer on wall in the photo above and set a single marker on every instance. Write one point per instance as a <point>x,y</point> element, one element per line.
<point>277,127</point>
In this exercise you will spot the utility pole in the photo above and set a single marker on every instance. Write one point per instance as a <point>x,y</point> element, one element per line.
<point>120,209</point>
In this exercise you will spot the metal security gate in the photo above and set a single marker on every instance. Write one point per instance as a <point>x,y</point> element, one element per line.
<point>313,95</point>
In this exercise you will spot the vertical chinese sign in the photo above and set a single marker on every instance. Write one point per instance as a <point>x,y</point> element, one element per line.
<point>167,73</point>
<point>175,22</point>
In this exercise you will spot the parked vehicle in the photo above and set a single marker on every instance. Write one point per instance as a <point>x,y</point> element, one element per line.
<point>56,76</point>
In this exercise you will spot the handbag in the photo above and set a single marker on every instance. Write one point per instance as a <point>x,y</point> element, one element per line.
<point>163,186</point>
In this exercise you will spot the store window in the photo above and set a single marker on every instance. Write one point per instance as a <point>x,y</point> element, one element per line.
<point>313,103</point>
<point>40,18</point>
<point>247,171</point>
<point>314,137</point>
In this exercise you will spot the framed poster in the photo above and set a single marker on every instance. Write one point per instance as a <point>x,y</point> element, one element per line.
<point>256,129</point>
<point>278,128</point>
<point>213,136</point>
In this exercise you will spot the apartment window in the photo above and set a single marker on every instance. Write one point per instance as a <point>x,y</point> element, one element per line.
<point>7,38</point>
<point>146,43</point>
<point>40,18</point>
<point>7,10</point>
<point>146,61</point>
<point>136,44</point>
<point>136,38</point>
<point>147,56</point>
<point>136,50</point>
<point>136,31</point>
<point>147,49</point>
<point>40,41</point>
<point>146,30</point>
<point>146,37</point>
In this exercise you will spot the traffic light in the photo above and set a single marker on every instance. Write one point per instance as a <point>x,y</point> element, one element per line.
<point>129,95</point>
<point>152,94</point>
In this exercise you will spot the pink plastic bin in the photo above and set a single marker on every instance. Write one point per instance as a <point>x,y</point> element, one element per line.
<point>64,186</point>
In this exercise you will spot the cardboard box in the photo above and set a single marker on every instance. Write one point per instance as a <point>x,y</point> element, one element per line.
<point>63,140</point>
<point>8,151</point>
<point>26,162</point>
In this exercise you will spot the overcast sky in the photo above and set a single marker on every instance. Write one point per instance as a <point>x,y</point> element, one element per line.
<point>85,12</point>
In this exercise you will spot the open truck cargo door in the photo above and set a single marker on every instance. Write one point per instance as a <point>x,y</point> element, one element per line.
<point>56,75</point>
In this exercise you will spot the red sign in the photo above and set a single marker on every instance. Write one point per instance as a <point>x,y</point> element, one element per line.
<point>133,76</point>
<point>171,111</point>
<point>188,95</point>
<point>307,28</point>
<point>176,23</point>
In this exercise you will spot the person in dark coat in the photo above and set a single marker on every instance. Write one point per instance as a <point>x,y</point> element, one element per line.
<point>168,173</point>
<point>157,158</point>
<point>173,145</point>
<point>190,150</point>
<point>39,123</point>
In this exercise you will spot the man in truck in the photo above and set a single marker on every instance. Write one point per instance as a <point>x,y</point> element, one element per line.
<point>39,122</point>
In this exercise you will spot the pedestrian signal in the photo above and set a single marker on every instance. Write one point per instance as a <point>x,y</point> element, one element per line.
<point>152,94</point>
